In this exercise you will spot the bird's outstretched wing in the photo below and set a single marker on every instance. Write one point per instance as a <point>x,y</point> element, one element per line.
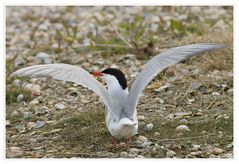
<point>160,62</point>
<point>66,72</point>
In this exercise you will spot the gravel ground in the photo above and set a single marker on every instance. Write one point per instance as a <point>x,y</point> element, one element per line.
<point>185,112</point>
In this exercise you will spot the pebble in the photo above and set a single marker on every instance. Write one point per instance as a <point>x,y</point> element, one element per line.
<point>8,122</point>
<point>184,121</point>
<point>39,124</point>
<point>141,118</point>
<point>230,91</point>
<point>140,156</point>
<point>176,147</point>
<point>194,154</point>
<point>20,97</point>
<point>133,151</point>
<point>123,154</point>
<point>30,125</point>
<point>215,93</point>
<point>228,155</point>
<point>27,115</point>
<point>55,130</point>
<point>34,102</point>
<point>182,114</point>
<point>43,58</point>
<point>217,151</point>
<point>229,145</point>
<point>20,128</point>
<point>34,89</point>
<point>54,46</point>
<point>19,61</point>
<point>182,128</point>
<point>17,83</point>
<point>146,144</point>
<point>132,155</point>
<point>170,154</point>
<point>142,138</point>
<point>196,147</point>
<point>161,88</point>
<point>14,152</point>
<point>15,114</point>
<point>33,140</point>
<point>156,134</point>
<point>59,106</point>
<point>149,127</point>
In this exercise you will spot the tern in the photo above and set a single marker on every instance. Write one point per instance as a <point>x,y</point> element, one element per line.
<point>121,114</point>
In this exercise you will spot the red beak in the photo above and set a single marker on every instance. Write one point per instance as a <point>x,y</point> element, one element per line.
<point>97,73</point>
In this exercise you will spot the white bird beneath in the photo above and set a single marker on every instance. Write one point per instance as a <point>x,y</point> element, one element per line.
<point>121,113</point>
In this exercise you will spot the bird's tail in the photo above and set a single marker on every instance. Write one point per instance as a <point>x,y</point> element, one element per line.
<point>126,121</point>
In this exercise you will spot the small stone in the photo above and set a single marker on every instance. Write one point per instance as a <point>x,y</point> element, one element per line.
<point>182,114</point>
<point>30,125</point>
<point>142,138</point>
<point>215,93</point>
<point>34,80</point>
<point>86,65</point>
<point>212,156</point>
<point>39,124</point>
<point>33,140</point>
<point>140,156</point>
<point>27,115</point>
<point>17,83</point>
<point>55,130</point>
<point>146,144</point>
<point>123,154</point>
<point>141,118</point>
<point>170,154</point>
<point>176,147</point>
<point>20,128</point>
<point>149,127</point>
<point>230,91</point>
<point>14,152</point>
<point>73,94</point>
<point>194,154</point>
<point>196,147</point>
<point>20,97</point>
<point>43,58</point>
<point>34,102</point>
<point>228,155</point>
<point>8,122</point>
<point>34,89</point>
<point>133,151</point>
<point>54,46</point>
<point>132,155</point>
<point>182,128</point>
<point>156,146</point>
<point>217,151</point>
<point>15,113</point>
<point>156,134</point>
<point>161,88</point>
<point>184,121</point>
<point>59,106</point>
<point>229,145</point>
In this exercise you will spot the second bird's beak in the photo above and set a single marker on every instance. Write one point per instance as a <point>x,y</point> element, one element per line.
<point>97,73</point>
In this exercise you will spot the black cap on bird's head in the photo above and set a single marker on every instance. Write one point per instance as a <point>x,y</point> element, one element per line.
<point>114,72</point>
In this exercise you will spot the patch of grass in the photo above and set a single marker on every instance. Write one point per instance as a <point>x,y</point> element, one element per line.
<point>219,131</point>
<point>84,132</point>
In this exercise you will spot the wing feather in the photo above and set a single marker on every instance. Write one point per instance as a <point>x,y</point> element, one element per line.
<point>70,73</point>
<point>160,62</point>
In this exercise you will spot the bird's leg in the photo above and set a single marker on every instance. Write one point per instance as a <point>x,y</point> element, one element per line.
<point>128,143</point>
<point>115,144</point>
